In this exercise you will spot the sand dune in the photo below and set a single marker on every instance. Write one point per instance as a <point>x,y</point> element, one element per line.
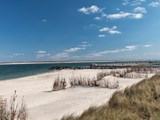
<point>46,105</point>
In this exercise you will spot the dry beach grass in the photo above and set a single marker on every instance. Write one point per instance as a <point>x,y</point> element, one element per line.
<point>138,102</point>
<point>107,79</point>
<point>42,104</point>
<point>12,110</point>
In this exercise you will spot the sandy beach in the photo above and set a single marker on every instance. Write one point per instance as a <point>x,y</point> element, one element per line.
<point>45,105</point>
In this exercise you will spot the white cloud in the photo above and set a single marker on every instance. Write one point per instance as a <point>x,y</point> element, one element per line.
<point>112,30</point>
<point>68,53</point>
<point>88,10</point>
<point>148,45</point>
<point>97,18</point>
<point>126,2</point>
<point>82,46</point>
<point>103,53</point>
<point>62,55</point>
<point>41,54</point>
<point>85,45</point>
<point>94,9</point>
<point>141,0</point>
<point>75,49</point>
<point>83,10</point>
<point>133,3</point>
<point>140,10</point>
<point>137,16</point>
<point>131,47</point>
<point>101,36</point>
<point>118,15</point>
<point>125,15</point>
<point>154,4</point>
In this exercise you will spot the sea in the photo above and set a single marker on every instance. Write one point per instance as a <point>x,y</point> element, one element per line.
<point>11,71</point>
<point>22,70</point>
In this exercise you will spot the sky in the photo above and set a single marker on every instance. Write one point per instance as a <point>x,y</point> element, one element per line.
<point>59,30</point>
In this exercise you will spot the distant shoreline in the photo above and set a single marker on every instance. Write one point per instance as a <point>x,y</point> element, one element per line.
<point>76,61</point>
<point>50,62</point>
<point>11,70</point>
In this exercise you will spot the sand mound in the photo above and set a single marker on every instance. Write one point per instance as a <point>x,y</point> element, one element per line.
<point>109,82</point>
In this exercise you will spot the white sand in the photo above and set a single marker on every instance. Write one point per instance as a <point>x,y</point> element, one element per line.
<point>45,105</point>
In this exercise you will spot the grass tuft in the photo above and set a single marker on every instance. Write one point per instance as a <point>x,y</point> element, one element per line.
<point>59,84</point>
<point>13,111</point>
<point>138,102</point>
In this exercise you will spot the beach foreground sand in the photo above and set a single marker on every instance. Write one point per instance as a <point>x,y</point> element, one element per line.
<point>45,105</point>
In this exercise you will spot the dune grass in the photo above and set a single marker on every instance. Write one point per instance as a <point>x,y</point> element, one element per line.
<point>12,110</point>
<point>82,81</point>
<point>59,84</point>
<point>138,102</point>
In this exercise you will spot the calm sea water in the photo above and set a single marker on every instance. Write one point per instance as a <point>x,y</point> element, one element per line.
<point>22,70</point>
<point>16,71</point>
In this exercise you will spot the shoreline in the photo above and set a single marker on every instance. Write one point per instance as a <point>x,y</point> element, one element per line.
<point>54,62</point>
<point>44,104</point>
<point>76,61</point>
<point>40,73</point>
<point>44,67</point>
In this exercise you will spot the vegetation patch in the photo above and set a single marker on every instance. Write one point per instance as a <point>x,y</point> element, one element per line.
<point>138,102</point>
<point>13,110</point>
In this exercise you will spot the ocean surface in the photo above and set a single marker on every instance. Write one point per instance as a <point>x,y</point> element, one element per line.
<point>22,70</point>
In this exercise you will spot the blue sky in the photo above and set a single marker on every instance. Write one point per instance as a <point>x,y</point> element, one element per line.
<point>38,30</point>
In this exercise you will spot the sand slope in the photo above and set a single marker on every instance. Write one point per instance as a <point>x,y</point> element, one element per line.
<point>46,105</point>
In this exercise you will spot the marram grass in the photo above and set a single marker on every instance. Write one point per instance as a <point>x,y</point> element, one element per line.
<point>138,102</point>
